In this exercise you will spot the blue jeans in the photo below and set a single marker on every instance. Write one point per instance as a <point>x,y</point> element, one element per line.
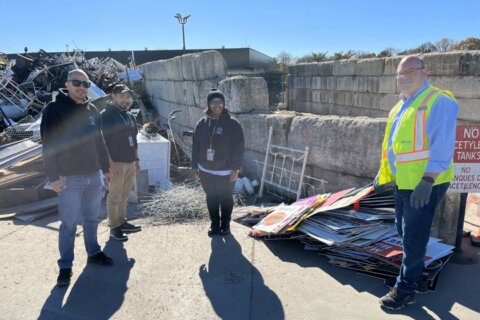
<point>414,226</point>
<point>80,200</point>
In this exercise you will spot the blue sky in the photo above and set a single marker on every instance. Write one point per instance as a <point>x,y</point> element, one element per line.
<point>297,27</point>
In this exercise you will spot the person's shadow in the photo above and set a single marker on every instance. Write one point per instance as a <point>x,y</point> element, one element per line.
<point>234,286</point>
<point>98,292</point>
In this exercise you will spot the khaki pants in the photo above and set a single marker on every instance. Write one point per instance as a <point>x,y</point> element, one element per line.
<point>120,187</point>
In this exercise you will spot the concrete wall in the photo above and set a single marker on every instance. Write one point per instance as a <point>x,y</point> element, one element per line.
<point>368,87</point>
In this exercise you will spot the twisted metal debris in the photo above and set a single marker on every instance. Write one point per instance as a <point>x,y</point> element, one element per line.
<point>179,204</point>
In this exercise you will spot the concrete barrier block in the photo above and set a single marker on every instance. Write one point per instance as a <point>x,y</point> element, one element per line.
<point>293,71</point>
<point>304,94</point>
<point>469,109</point>
<point>370,67</point>
<point>162,107</point>
<point>391,64</point>
<point>203,66</point>
<point>388,101</point>
<point>344,68</point>
<point>298,70</point>
<point>348,145</point>
<point>200,90</point>
<point>195,114</point>
<point>443,63</point>
<point>461,87</point>
<point>445,220</point>
<point>256,126</point>
<point>165,91</point>
<point>325,69</point>
<point>337,180</point>
<point>173,69</point>
<point>381,84</point>
<point>150,70</point>
<point>295,82</point>
<point>470,63</point>
<point>387,84</point>
<point>245,93</point>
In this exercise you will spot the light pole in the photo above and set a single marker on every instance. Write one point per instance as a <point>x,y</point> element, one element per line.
<point>182,21</point>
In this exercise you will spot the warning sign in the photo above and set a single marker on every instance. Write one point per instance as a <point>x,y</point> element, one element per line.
<point>466,160</point>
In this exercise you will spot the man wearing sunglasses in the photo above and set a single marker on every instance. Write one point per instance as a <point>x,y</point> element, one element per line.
<point>417,157</point>
<point>74,152</point>
<point>120,131</point>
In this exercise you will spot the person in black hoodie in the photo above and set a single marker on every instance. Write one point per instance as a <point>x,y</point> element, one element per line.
<point>217,153</point>
<point>119,129</point>
<point>73,153</point>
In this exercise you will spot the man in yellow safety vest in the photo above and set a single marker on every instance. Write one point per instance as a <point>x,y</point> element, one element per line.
<point>417,155</point>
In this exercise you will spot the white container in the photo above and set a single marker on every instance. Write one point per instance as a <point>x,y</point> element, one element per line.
<point>154,155</point>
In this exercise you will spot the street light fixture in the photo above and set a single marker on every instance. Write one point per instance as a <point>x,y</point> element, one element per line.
<point>182,21</point>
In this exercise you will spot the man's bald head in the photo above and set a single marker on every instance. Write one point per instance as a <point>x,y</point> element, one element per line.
<point>76,72</point>
<point>418,61</point>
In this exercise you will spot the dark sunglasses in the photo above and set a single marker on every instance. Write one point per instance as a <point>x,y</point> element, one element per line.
<point>78,83</point>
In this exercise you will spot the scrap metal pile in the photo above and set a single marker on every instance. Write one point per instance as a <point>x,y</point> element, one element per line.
<point>27,84</point>
<point>353,228</point>
<point>22,182</point>
<point>179,204</point>
<point>30,81</point>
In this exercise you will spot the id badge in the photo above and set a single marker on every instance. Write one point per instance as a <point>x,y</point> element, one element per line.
<point>210,154</point>
<point>130,141</point>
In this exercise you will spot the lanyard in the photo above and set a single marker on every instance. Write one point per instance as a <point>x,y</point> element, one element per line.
<point>213,132</point>
<point>127,122</point>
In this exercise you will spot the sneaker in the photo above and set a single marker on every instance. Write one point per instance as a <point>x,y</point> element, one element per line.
<point>130,228</point>
<point>101,259</point>
<point>118,234</point>
<point>422,286</point>
<point>64,277</point>
<point>397,299</point>
<point>213,231</point>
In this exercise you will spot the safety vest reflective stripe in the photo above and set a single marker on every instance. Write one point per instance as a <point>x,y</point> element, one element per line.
<point>413,156</point>
<point>421,123</point>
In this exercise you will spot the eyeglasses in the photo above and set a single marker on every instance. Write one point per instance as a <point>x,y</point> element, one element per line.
<point>78,83</point>
<point>407,73</point>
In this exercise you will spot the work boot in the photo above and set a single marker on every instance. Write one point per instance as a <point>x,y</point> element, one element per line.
<point>225,228</point>
<point>64,277</point>
<point>422,286</point>
<point>100,259</point>
<point>118,234</point>
<point>397,299</point>
<point>213,230</point>
<point>130,228</point>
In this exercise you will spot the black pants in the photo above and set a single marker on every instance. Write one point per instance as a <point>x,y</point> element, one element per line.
<point>219,198</point>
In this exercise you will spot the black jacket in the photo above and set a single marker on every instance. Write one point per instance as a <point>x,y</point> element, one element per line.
<point>228,142</point>
<point>71,137</point>
<point>117,127</point>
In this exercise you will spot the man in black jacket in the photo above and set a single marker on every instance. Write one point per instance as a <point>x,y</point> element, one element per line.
<point>73,155</point>
<point>120,132</point>
<point>217,153</point>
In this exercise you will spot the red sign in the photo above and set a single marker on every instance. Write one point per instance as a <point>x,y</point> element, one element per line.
<point>467,146</point>
<point>466,160</point>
